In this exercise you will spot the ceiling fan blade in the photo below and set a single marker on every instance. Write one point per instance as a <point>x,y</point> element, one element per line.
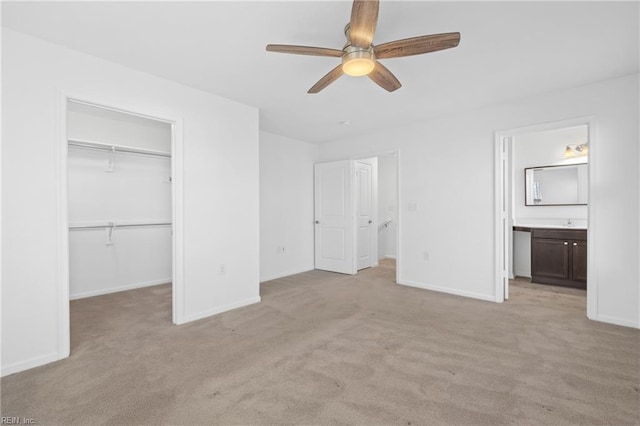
<point>416,45</point>
<point>384,78</point>
<point>331,76</point>
<point>304,50</point>
<point>364,18</point>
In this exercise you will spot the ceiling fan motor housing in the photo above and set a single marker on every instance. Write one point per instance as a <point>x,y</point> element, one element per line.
<point>358,61</point>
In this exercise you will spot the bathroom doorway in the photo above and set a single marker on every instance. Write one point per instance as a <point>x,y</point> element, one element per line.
<point>543,238</point>
<point>388,210</point>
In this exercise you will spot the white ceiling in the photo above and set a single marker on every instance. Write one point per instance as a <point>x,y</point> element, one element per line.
<point>508,50</point>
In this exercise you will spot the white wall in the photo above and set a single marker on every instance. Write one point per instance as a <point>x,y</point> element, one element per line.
<point>387,204</point>
<point>136,189</point>
<point>89,123</point>
<point>286,206</point>
<point>136,257</point>
<point>221,189</point>
<point>447,172</point>
<point>545,149</point>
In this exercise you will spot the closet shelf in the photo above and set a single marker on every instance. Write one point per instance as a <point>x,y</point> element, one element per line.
<point>117,148</point>
<point>118,225</point>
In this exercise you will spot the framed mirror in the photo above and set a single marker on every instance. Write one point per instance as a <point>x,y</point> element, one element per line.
<point>564,185</point>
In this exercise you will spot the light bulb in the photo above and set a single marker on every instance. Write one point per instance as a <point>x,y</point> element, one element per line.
<point>568,153</point>
<point>359,66</point>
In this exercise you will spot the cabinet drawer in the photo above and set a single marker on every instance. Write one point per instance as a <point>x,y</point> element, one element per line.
<point>559,234</point>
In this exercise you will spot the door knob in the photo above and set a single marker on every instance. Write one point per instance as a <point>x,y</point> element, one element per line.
<point>370,221</point>
<point>575,244</point>
<point>566,243</point>
<point>317,222</point>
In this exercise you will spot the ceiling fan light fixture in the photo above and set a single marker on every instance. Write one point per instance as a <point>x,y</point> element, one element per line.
<point>358,61</point>
<point>359,55</point>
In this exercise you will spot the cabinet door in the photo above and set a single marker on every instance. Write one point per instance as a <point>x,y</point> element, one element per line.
<point>579,254</point>
<point>550,258</point>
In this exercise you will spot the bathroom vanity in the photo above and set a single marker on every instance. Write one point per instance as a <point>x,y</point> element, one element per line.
<point>558,256</point>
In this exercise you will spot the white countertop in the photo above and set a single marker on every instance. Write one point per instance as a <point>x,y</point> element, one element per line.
<point>526,225</point>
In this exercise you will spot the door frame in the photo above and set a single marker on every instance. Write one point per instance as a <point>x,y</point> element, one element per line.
<point>177,200</point>
<point>502,168</point>
<point>377,154</point>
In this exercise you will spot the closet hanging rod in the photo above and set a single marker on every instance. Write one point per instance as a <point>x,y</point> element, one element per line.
<point>118,148</point>
<point>115,225</point>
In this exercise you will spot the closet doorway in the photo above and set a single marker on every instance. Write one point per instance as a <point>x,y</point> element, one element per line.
<point>119,203</point>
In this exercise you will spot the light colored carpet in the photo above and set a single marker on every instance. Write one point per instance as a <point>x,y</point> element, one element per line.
<point>325,348</point>
<point>526,283</point>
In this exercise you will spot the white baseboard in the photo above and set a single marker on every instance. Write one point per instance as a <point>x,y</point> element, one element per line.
<point>388,256</point>
<point>219,310</point>
<point>617,321</point>
<point>480,296</point>
<point>285,274</point>
<point>118,289</point>
<point>36,361</point>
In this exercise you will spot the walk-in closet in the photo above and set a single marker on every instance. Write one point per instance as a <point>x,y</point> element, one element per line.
<point>119,207</point>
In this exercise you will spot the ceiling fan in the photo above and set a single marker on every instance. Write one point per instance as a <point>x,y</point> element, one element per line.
<point>360,56</point>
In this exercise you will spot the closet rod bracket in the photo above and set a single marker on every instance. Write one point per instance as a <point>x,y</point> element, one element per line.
<point>111,160</point>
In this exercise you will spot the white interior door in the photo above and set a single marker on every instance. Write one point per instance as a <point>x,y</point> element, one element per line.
<point>364,214</point>
<point>507,233</point>
<point>334,217</point>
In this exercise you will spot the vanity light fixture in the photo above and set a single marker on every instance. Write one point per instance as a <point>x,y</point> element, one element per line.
<point>572,151</point>
<point>568,152</point>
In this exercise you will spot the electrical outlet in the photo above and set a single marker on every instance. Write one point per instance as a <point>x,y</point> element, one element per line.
<point>222,269</point>
<point>425,255</point>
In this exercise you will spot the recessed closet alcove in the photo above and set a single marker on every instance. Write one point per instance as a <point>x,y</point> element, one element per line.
<point>119,202</point>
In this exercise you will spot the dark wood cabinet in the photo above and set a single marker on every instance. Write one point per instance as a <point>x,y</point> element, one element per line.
<point>579,256</point>
<point>549,258</point>
<point>559,257</point>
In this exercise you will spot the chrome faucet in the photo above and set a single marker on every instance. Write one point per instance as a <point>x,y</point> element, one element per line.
<point>569,223</point>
